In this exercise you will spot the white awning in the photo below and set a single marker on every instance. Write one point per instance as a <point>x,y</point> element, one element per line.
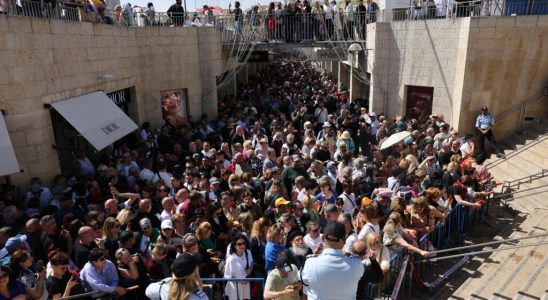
<point>96,118</point>
<point>8,161</point>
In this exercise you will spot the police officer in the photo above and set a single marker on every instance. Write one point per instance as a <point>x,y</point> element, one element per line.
<point>484,124</point>
<point>332,275</point>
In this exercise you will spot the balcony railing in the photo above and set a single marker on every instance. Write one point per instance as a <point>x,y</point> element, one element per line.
<point>278,26</point>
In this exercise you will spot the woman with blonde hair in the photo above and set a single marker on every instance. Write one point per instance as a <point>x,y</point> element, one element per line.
<point>421,217</point>
<point>395,237</point>
<point>373,241</point>
<point>184,284</point>
<point>258,243</point>
<point>125,217</point>
<point>309,204</point>
<point>245,222</point>
<point>111,229</point>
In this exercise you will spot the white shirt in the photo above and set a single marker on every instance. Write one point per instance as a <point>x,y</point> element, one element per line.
<point>165,215</point>
<point>147,175</point>
<point>349,202</point>
<point>321,115</point>
<point>368,228</point>
<point>312,243</point>
<point>144,244</point>
<point>166,178</point>
<point>350,240</point>
<point>350,12</point>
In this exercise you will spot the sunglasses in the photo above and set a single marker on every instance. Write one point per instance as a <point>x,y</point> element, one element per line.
<point>240,244</point>
<point>101,259</point>
<point>315,230</point>
<point>4,275</point>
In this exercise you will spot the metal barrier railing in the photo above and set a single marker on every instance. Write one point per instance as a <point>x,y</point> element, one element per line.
<point>220,292</point>
<point>335,25</point>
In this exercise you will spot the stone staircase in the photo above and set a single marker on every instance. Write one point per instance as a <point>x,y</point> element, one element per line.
<point>520,273</point>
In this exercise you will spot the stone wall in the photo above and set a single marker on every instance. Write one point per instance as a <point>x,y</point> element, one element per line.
<point>44,61</point>
<point>421,53</point>
<point>506,64</point>
<point>470,62</point>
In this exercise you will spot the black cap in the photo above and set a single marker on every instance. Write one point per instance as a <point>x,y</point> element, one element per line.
<point>334,231</point>
<point>283,263</point>
<point>185,264</point>
<point>293,234</point>
<point>468,136</point>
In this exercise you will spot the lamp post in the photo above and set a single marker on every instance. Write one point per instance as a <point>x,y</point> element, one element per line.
<point>353,52</point>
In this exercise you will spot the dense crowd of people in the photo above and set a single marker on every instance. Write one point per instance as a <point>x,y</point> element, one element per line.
<point>290,168</point>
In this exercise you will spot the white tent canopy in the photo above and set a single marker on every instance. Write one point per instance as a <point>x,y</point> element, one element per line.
<point>8,161</point>
<point>97,118</point>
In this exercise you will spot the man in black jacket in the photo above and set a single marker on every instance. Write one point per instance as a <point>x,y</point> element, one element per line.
<point>177,13</point>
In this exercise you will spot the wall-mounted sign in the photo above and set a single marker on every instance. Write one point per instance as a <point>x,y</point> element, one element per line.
<point>175,106</point>
<point>419,102</point>
<point>120,97</point>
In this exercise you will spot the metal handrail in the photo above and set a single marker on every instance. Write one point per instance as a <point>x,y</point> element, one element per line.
<point>489,243</point>
<point>500,196</point>
<point>517,151</point>
<point>485,251</point>
<point>518,107</point>
<point>523,196</point>
<point>524,180</point>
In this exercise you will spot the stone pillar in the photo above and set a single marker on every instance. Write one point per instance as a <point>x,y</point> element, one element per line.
<point>343,78</point>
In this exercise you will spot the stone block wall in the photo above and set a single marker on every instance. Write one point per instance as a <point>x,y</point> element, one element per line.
<point>44,61</point>
<point>422,53</point>
<point>470,62</point>
<point>506,64</point>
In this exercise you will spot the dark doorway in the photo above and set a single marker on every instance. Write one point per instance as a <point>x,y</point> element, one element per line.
<point>419,102</point>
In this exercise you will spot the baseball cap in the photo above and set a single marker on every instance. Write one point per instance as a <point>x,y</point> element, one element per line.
<point>281,201</point>
<point>214,180</point>
<point>334,231</point>
<point>283,264</point>
<point>166,224</point>
<point>185,264</point>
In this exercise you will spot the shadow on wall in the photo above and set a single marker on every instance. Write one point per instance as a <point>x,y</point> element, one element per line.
<point>438,63</point>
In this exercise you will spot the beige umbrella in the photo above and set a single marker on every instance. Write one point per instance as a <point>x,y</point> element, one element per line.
<point>394,139</point>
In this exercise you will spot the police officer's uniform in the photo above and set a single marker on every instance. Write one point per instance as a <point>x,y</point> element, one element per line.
<point>332,275</point>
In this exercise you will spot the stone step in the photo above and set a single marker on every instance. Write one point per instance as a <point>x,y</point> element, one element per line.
<point>519,270</point>
<point>490,268</point>
<point>510,265</point>
<point>535,287</point>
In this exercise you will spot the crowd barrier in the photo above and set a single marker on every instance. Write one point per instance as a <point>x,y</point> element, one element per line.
<point>284,27</point>
<point>460,221</point>
<point>215,287</point>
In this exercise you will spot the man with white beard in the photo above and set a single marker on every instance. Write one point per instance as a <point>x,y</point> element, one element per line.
<point>298,250</point>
